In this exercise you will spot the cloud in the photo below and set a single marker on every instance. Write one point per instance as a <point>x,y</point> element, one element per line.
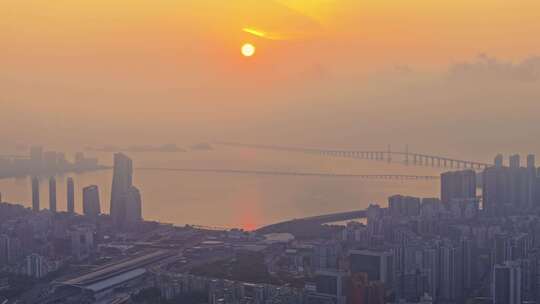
<point>487,67</point>
<point>287,22</point>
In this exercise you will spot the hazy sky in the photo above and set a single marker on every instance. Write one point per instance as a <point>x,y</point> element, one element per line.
<point>342,72</point>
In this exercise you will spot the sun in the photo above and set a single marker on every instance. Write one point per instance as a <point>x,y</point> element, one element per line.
<point>248,50</point>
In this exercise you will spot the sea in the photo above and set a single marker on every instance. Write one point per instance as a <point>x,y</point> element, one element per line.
<point>216,187</point>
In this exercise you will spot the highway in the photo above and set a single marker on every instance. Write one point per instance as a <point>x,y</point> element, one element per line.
<point>118,268</point>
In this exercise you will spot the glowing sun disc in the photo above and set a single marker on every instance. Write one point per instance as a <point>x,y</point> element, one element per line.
<point>248,50</point>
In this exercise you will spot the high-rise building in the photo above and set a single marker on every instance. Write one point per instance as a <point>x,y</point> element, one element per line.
<point>537,189</point>
<point>498,161</point>
<point>91,206</point>
<point>82,242</point>
<point>36,266</point>
<point>35,194</point>
<point>465,208</point>
<point>377,264</point>
<point>364,292</point>
<point>451,273</point>
<point>70,195</point>
<point>532,197</point>
<point>519,184</point>
<point>121,183</point>
<point>125,198</point>
<point>495,192</point>
<point>519,190</point>
<point>458,185</point>
<point>531,161</point>
<point>412,285</point>
<point>52,194</point>
<point>506,288</point>
<point>326,255</point>
<point>5,249</point>
<point>400,205</point>
<point>430,207</point>
<point>430,263</point>
<point>468,265</point>
<point>133,205</point>
<point>505,188</point>
<point>332,283</point>
<point>515,161</point>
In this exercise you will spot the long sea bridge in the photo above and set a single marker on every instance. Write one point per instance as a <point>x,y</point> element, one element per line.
<point>406,157</point>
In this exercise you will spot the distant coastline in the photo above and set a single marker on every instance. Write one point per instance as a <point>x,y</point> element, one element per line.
<point>138,148</point>
<point>166,148</point>
<point>54,173</point>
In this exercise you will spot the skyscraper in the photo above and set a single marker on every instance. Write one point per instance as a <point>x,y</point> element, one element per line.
<point>450,273</point>
<point>70,195</point>
<point>362,291</point>
<point>35,194</point>
<point>496,190</point>
<point>515,161</point>
<point>333,283</point>
<point>532,178</point>
<point>498,161</point>
<point>519,186</point>
<point>125,198</point>
<point>52,194</point>
<point>82,242</point>
<point>531,162</point>
<point>91,206</point>
<point>506,288</point>
<point>458,185</point>
<point>36,266</point>
<point>5,249</point>
<point>122,181</point>
<point>400,205</point>
<point>509,189</point>
<point>133,205</point>
<point>377,264</point>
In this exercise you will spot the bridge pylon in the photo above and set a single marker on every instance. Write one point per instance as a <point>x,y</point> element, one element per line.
<point>406,161</point>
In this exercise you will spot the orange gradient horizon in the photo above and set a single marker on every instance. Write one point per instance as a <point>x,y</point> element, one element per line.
<point>110,66</point>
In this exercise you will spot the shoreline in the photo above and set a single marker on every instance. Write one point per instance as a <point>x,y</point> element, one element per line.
<point>57,173</point>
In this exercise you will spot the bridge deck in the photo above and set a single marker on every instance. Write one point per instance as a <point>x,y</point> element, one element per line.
<point>292,173</point>
<point>422,158</point>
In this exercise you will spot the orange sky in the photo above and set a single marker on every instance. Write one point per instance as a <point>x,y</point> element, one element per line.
<point>387,31</point>
<point>66,62</point>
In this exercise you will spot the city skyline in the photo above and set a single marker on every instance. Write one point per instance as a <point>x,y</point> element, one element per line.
<point>448,271</point>
<point>269,152</point>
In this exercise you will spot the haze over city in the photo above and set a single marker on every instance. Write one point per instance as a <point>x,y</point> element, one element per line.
<point>347,73</point>
<point>269,152</point>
